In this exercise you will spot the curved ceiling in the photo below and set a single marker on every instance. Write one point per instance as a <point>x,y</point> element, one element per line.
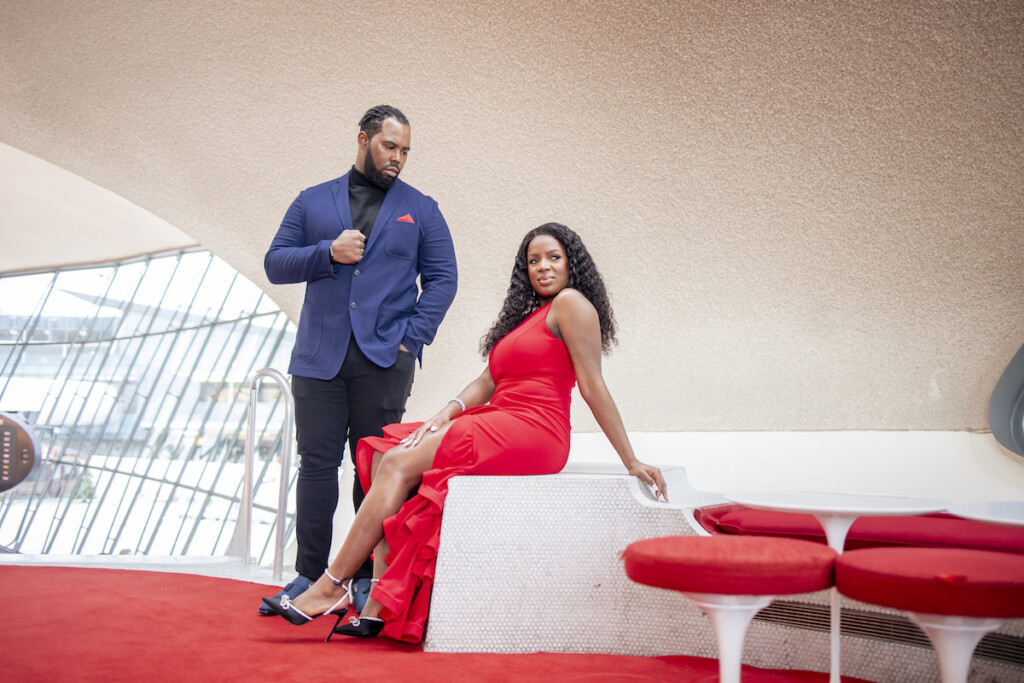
<point>55,218</point>
<point>808,214</point>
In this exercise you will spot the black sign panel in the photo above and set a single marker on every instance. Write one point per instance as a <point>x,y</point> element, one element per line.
<point>19,451</point>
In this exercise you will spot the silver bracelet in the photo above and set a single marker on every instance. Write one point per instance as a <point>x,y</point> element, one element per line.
<point>459,401</point>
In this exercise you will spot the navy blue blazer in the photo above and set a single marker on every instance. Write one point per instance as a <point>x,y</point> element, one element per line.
<point>376,300</point>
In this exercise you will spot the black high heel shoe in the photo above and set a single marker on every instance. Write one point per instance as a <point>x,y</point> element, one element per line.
<point>284,608</point>
<point>360,627</point>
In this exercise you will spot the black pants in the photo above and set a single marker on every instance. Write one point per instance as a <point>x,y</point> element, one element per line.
<point>358,402</point>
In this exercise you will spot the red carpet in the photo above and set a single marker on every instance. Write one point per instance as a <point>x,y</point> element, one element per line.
<point>63,624</point>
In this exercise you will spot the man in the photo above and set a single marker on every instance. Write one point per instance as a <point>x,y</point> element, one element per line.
<point>358,242</point>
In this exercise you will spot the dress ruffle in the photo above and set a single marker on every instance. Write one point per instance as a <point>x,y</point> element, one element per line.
<point>413,534</point>
<point>523,430</point>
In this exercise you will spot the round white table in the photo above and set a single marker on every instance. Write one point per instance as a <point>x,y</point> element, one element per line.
<point>996,512</point>
<point>836,512</point>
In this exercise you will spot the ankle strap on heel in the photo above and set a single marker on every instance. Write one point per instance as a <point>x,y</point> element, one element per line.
<point>336,582</point>
<point>341,582</point>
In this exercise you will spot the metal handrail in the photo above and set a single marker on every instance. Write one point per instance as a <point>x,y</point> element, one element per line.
<point>245,511</point>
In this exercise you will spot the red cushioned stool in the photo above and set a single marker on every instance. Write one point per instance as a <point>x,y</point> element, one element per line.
<point>730,578</point>
<point>955,595</point>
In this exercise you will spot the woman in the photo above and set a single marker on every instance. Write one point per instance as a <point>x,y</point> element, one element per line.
<point>513,419</point>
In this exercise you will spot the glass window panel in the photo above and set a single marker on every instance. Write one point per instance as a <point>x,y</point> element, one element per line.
<point>135,376</point>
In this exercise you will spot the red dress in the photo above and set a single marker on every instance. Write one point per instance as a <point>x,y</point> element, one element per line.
<point>523,430</point>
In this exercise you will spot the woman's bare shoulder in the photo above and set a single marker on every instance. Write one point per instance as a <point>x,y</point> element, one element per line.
<point>570,297</point>
<point>571,302</point>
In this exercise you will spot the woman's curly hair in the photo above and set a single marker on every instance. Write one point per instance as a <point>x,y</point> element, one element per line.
<point>522,300</point>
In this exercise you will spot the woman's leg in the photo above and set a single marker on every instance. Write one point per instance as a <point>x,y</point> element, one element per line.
<point>397,473</point>
<point>371,608</point>
<point>380,553</point>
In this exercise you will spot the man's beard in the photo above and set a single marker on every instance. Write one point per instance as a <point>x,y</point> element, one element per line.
<point>374,175</point>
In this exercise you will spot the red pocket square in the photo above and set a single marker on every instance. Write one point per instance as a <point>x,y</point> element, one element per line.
<point>407,218</point>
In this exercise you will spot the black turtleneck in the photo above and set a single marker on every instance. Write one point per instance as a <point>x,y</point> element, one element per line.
<point>364,200</point>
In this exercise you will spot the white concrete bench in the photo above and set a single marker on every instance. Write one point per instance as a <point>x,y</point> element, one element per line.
<point>531,564</point>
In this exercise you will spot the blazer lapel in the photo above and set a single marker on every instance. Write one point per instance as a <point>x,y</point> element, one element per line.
<point>392,201</point>
<point>340,189</point>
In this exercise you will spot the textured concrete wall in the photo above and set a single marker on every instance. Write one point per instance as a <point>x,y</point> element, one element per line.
<point>809,214</point>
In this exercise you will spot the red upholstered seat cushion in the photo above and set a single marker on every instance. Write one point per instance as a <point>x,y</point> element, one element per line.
<point>730,565</point>
<point>969,583</point>
<point>940,530</point>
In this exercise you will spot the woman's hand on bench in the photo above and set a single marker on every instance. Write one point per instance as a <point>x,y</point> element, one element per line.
<point>651,475</point>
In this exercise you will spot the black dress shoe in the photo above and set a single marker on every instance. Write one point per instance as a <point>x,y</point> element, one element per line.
<point>360,627</point>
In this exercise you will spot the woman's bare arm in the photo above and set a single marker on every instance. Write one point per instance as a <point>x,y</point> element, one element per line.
<point>574,319</point>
